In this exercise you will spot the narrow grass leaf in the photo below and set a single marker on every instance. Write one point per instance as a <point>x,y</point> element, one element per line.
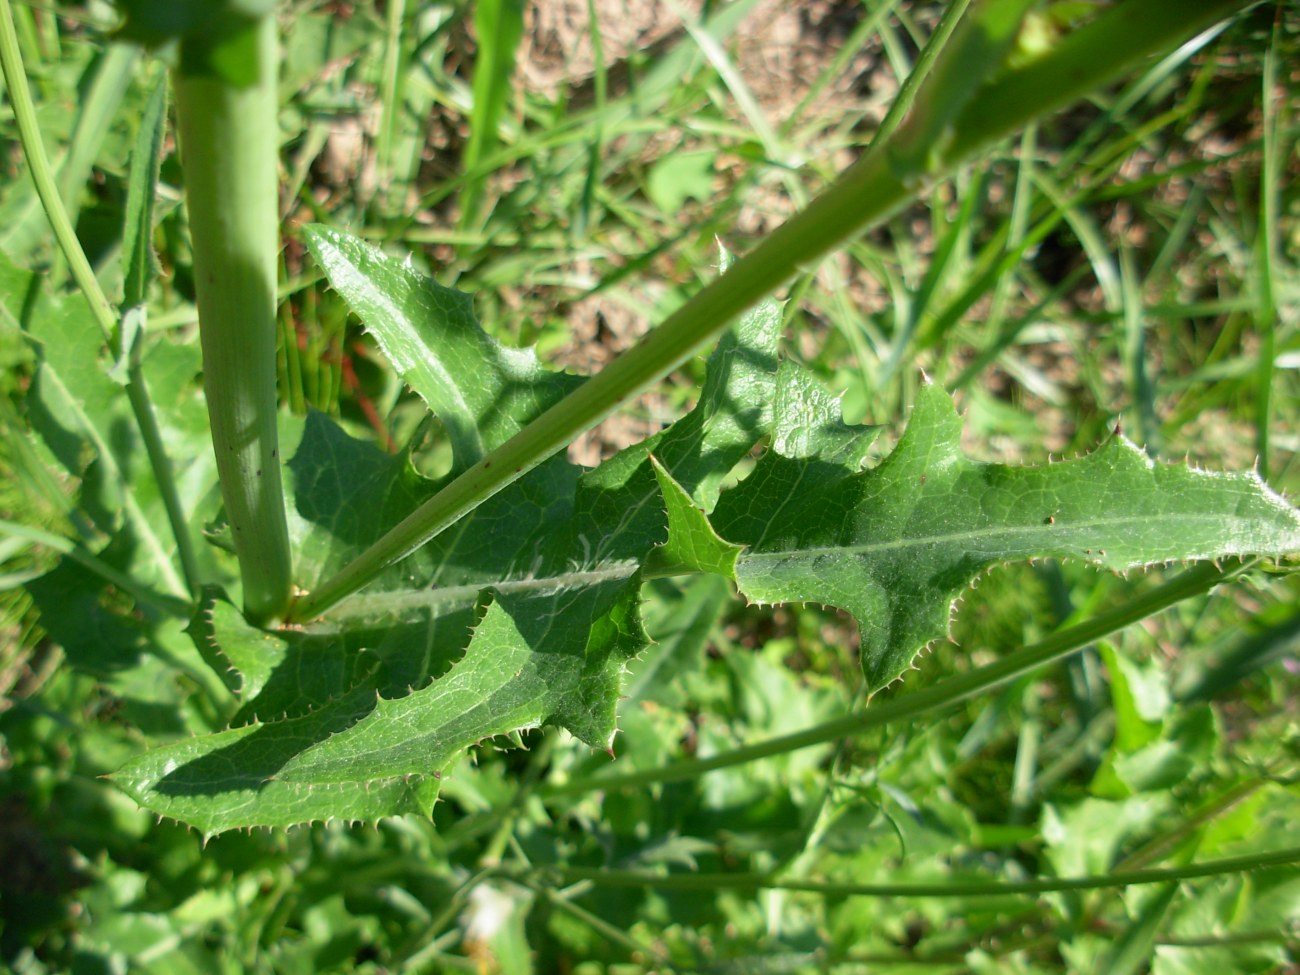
<point>499,25</point>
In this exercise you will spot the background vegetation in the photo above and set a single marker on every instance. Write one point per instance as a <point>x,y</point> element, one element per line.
<point>1129,262</point>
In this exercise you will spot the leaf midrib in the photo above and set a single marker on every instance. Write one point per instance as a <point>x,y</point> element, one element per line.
<point>376,605</point>
<point>921,541</point>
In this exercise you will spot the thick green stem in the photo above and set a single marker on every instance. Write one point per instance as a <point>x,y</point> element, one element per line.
<point>871,190</point>
<point>226,108</point>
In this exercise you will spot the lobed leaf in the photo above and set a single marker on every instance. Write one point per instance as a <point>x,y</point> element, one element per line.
<point>692,545</point>
<point>527,611</point>
<point>895,545</point>
<point>363,755</point>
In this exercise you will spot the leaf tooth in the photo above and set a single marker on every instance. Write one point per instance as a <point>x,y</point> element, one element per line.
<point>253,721</point>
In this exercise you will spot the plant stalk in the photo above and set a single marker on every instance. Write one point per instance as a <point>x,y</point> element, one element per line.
<point>943,888</point>
<point>227,111</point>
<point>868,192</point>
<point>20,98</point>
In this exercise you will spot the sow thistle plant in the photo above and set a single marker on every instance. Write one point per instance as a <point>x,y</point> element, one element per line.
<point>419,617</point>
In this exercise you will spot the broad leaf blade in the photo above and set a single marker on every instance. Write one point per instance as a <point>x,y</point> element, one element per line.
<point>483,391</point>
<point>366,754</point>
<point>527,611</point>
<point>896,544</point>
<point>85,419</point>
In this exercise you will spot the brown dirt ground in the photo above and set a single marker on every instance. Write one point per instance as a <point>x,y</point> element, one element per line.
<point>784,47</point>
<point>779,51</point>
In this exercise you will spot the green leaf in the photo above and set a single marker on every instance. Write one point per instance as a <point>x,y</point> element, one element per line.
<point>85,419</point>
<point>896,544</point>
<point>140,264</point>
<point>277,678</point>
<point>499,26</point>
<point>482,391</point>
<point>1086,837</point>
<point>1274,636</point>
<point>156,22</point>
<point>681,619</point>
<point>527,611</point>
<point>692,545</point>
<point>363,755</point>
<point>1132,950</point>
<point>681,176</point>
<point>748,394</point>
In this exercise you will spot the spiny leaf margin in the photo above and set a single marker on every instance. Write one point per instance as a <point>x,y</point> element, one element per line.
<point>358,716</point>
<point>894,545</point>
